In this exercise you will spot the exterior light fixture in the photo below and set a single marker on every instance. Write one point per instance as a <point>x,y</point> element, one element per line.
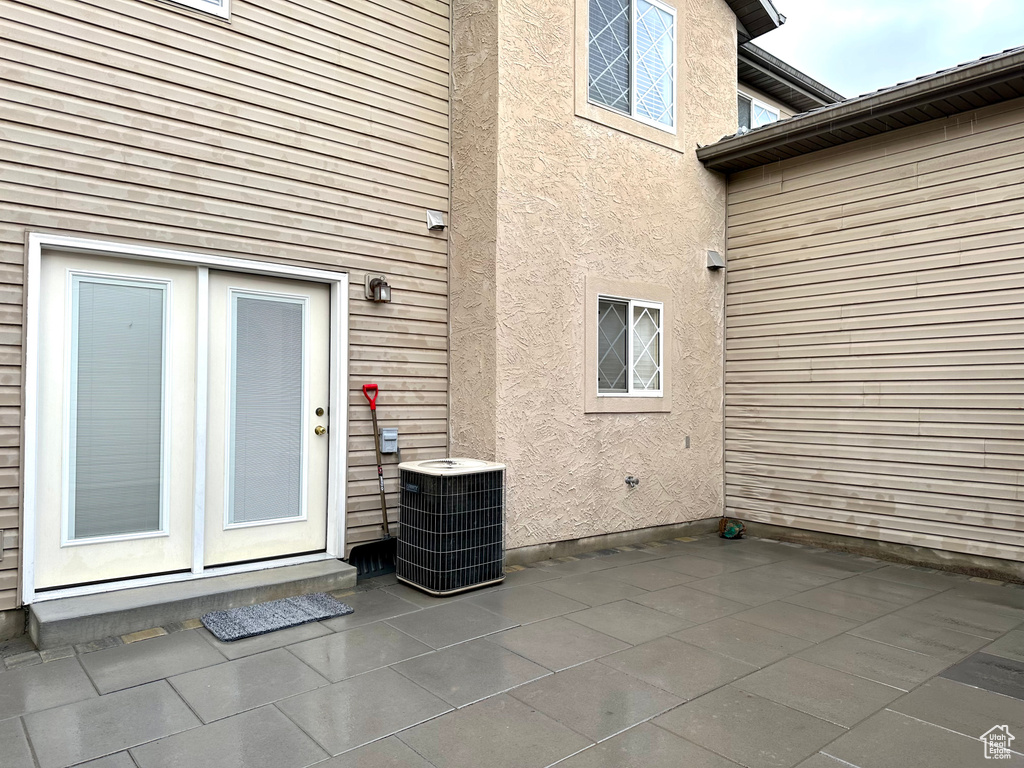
<point>377,289</point>
<point>715,261</point>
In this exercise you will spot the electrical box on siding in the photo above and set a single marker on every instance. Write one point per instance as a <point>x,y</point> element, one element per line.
<point>388,440</point>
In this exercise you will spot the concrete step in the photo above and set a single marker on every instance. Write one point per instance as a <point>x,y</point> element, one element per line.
<point>73,620</point>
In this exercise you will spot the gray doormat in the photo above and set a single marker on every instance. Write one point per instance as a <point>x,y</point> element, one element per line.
<point>251,620</point>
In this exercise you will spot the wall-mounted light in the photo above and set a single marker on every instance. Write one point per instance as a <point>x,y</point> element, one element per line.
<point>435,221</point>
<point>377,288</point>
<point>715,261</point>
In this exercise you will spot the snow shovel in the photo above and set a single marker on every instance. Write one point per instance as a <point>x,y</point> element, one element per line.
<point>375,558</point>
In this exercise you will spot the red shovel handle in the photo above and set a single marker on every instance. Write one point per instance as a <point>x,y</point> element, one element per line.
<point>367,390</point>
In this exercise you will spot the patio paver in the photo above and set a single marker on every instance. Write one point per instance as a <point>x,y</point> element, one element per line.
<point>1009,646</point>
<point>358,650</point>
<point>663,655</point>
<point>391,752</point>
<point>882,663</point>
<point>370,607</point>
<point>260,738</point>
<point>870,585</point>
<point>42,686</point>
<point>889,739</point>
<point>677,667</point>
<point>695,606</point>
<point>629,621</point>
<point>450,623</point>
<point>97,727</point>
<point>960,707</point>
<point>246,683</point>
<point>118,760</point>
<point>362,709</point>
<point>649,746</point>
<point>593,589</point>
<point>14,743</point>
<point>836,601</point>
<point>525,605</point>
<point>917,636</point>
<point>499,732</point>
<point>648,576</point>
<point>268,642</point>
<point>743,641</point>
<point>126,666</point>
<point>796,620</point>
<point>826,693</point>
<point>749,729</point>
<point>990,673</point>
<point>558,643</point>
<point>595,700</point>
<point>470,671</point>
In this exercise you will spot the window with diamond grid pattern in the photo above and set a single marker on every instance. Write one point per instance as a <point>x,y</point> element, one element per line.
<point>754,113</point>
<point>629,341</point>
<point>632,59</point>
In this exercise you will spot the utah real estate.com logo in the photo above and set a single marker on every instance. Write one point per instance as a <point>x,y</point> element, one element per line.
<point>997,742</point>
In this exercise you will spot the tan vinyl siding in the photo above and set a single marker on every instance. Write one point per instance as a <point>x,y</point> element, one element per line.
<point>875,338</point>
<point>312,133</point>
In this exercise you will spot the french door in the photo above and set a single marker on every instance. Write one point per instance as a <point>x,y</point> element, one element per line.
<point>156,379</point>
<point>266,476</point>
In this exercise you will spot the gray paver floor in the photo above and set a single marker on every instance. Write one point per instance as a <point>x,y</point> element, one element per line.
<point>686,652</point>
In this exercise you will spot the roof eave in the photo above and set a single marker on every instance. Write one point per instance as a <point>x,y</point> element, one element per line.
<point>787,75</point>
<point>775,142</point>
<point>756,17</point>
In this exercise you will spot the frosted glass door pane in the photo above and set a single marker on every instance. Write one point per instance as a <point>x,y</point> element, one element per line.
<point>116,408</point>
<point>266,409</point>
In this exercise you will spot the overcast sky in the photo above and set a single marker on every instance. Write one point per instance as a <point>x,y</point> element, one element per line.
<point>856,46</point>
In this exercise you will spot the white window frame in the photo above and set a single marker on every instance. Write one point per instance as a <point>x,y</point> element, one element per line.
<point>218,8</point>
<point>632,70</point>
<point>631,391</point>
<point>754,101</point>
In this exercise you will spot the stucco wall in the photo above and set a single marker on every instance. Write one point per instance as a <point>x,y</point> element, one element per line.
<point>473,240</point>
<point>576,199</point>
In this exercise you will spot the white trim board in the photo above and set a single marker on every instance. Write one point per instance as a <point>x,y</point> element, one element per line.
<point>338,366</point>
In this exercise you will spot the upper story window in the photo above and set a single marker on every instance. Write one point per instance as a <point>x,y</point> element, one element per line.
<point>632,59</point>
<point>216,7</point>
<point>754,113</point>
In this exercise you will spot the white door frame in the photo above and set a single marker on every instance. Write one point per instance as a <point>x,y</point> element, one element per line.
<point>337,462</point>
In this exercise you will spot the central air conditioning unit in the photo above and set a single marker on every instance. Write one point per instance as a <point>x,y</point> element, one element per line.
<point>452,524</point>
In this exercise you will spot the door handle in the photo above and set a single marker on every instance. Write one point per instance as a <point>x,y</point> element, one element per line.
<point>320,430</point>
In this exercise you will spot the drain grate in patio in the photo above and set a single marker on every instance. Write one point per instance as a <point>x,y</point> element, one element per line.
<point>259,619</point>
